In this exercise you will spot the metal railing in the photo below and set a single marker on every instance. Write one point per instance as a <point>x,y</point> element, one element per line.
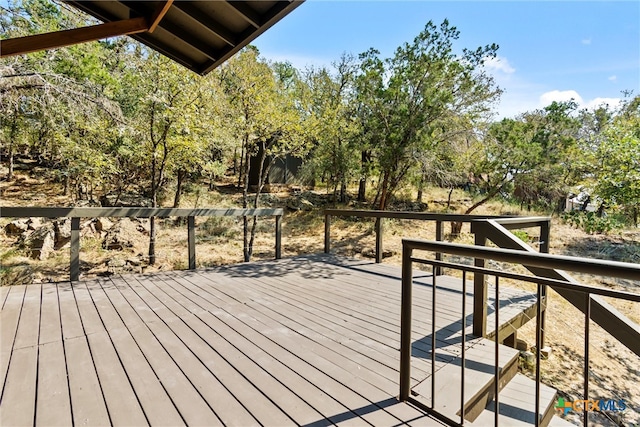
<point>439,219</point>
<point>483,230</point>
<point>134,212</point>
<point>480,288</point>
<point>582,265</point>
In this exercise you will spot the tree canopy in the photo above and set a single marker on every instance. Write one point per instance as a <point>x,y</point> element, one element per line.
<point>114,117</point>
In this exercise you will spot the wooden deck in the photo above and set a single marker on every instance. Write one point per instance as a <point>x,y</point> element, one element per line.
<point>304,341</point>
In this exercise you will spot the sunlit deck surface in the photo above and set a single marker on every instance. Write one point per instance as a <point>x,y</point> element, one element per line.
<point>310,340</point>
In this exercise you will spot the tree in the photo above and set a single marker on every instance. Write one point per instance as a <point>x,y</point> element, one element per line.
<point>617,172</point>
<point>409,101</point>
<point>531,151</point>
<point>333,126</point>
<point>171,123</point>
<point>264,117</point>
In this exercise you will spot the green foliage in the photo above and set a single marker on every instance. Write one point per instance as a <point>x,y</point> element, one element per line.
<point>522,235</point>
<point>617,160</point>
<point>591,223</point>
<point>419,98</point>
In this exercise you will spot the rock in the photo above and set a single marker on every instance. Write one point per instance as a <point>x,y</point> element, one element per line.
<point>18,226</point>
<point>116,262</point>
<point>103,224</point>
<point>86,204</point>
<point>123,234</point>
<point>18,275</point>
<point>306,205</point>
<point>34,223</point>
<point>143,225</point>
<point>62,229</point>
<point>41,242</point>
<point>134,261</point>
<point>125,200</point>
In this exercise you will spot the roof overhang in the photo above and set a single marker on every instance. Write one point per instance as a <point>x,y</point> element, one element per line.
<point>200,35</point>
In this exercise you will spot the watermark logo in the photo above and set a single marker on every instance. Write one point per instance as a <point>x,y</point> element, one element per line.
<point>564,406</point>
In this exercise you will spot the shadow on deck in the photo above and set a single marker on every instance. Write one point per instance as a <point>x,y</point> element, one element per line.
<point>311,340</point>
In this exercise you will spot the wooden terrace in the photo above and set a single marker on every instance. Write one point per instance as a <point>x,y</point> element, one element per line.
<point>311,340</point>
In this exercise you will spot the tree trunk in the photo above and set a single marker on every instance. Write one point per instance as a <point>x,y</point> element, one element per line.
<point>180,176</point>
<point>421,187</point>
<point>385,191</point>
<point>456,227</point>
<point>362,185</point>
<point>10,174</point>
<point>362,190</point>
<point>244,177</point>
<point>241,170</point>
<point>449,198</point>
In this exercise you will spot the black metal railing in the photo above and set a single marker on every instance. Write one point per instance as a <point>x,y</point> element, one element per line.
<point>138,212</point>
<point>582,265</point>
<point>440,220</point>
<point>507,222</point>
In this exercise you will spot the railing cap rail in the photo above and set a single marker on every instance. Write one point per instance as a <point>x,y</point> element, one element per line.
<point>412,215</point>
<point>140,212</point>
<point>533,259</point>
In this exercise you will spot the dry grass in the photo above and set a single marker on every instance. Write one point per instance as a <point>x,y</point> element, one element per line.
<point>615,371</point>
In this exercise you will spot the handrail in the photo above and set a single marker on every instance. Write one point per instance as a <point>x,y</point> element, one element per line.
<point>380,215</point>
<point>561,262</point>
<point>139,212</point>
<point>595,267</point>
<point>412,215</point>
<point>619,326</point>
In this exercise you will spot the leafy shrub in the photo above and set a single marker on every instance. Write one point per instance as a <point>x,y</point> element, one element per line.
<point>591,223</point>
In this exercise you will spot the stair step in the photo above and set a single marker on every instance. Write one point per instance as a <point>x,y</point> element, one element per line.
<point>479,380</point>
<point>517,404</point>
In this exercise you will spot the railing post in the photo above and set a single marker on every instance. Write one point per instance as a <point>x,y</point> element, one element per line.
<point>545,235</point>
<point>439,237</point>
<point>191,240</point>
<point>379,240</point>
<point>327,234</point>
<point>479,286</point>
<point>278,236</point>
<point>74,262</point>
<point>405,323</point>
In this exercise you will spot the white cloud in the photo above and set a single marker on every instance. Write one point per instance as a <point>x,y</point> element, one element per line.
<point>567,95</point>
<point>586,41</point>
<point>560,96</point>
<point>613,78</point>
<point>613,103</point>
<point>499,63</point>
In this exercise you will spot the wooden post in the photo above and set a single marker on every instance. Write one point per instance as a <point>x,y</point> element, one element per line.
<point>327,234</point>
<point>480,287</point>
<point>439,236</point>
<point>74,267</point>
<point>278,236</point>
<point>379,240</point>
<point>405,324</point>
<point>545,235</point>
<point>191,240</point>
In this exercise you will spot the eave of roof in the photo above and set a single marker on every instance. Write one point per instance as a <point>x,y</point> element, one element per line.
<point>200,35</point>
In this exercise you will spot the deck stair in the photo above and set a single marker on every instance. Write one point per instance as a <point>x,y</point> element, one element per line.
<point>517,407</point>
<point>517,392</point>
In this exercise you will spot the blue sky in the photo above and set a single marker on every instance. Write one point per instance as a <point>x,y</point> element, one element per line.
<point>549,50</point>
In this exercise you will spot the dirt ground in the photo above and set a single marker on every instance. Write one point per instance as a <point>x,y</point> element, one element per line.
<point>614,370</point>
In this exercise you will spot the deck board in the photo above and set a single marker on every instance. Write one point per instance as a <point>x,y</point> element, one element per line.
<point>9,318</point>
<point>305,341</point>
